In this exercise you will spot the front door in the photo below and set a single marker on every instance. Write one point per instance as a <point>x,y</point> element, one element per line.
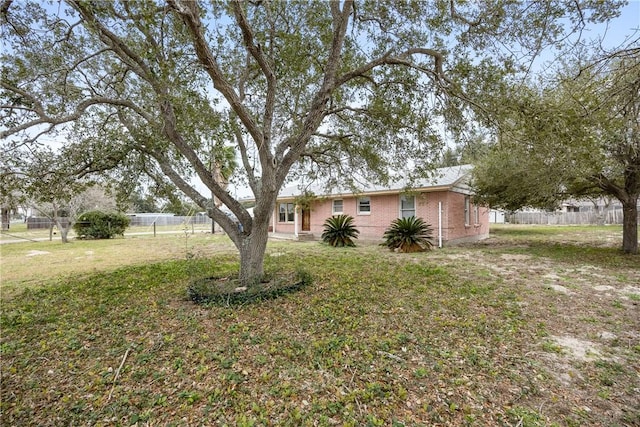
<point>306,220</point>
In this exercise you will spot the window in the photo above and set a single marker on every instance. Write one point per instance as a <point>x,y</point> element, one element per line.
<point>364,206</point>
<point>286,212</point>
<point>476,215</point>
<point>407,206</point>
<point>338,206</point>
<point>467,210</point>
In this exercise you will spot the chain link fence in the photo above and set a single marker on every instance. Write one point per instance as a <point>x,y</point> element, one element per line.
<point>35,223</point>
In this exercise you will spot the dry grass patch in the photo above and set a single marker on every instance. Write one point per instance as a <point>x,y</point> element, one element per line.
<point>34,263</point>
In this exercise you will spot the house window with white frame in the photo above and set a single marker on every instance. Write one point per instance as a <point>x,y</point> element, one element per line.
<point>476,215</point>
<point>364,205</point>
<point>407,206</point>
<point>467,210</point>
<point>286,212</point>
<point>338,207</point>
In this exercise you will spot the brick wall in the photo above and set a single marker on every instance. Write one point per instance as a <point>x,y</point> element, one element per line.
<point>386,208</point>
<point>457,230</point>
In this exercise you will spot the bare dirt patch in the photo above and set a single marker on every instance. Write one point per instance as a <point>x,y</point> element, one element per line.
<point>587,312</point>
<point>514,257</point>
<point>578,349</point>
<point>36,253</point>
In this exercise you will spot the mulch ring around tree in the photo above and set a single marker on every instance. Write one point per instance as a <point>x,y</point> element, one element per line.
<point>227,290</point>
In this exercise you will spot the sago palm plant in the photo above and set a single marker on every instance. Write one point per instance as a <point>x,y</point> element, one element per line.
<point>339,231</point>
<point>409,235</point>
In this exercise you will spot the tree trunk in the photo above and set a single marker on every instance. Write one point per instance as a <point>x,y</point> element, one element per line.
<point>64,231</point>
<point>5,219</point>
<point>630,225</point>
<point>252,249</point>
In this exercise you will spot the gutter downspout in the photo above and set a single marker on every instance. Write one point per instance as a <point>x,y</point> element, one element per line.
<point>440,225</point>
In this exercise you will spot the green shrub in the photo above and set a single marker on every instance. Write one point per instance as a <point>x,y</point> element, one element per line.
<point>409,235</point>
<point>339,231</point>
<point>100,225</point>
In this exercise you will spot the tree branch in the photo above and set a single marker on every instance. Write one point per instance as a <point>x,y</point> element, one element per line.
<point>346,108</point>
<point>456,16</point>
<point>137,64</point>
<point>190,14</point>
<point>256,52</point>
<point>245,161</point>
<point>400,59</point>
<point>333,137</point>
<point>605,184</point>
<point>172,134</point>
<point>43,118</point>
<point>110,39</point>
<point>215,213</point>
<point>4,8</point>
<point>317,110</point>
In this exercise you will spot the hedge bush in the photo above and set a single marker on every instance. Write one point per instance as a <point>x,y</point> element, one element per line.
<point>100,225</point>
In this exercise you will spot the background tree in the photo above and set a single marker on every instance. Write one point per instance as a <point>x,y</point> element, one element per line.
<point>339,90</point>
<point>53,192</point>
<point>577,137</point>
<point>141,202</point>
<point>468,150</point>
<point>56,193</point>
<point>6,215</point>
<point>43,181</point>
<point>179,206</point>
<point>10,194</point>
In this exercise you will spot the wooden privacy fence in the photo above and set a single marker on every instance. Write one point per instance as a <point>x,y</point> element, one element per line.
<point>613,216</point>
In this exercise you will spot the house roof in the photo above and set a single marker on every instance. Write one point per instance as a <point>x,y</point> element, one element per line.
<point>449,178</point>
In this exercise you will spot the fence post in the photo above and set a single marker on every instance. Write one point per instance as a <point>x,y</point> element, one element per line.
<point>154,229</point>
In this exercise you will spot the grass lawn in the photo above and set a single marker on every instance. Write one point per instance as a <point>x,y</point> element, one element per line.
<point>535,326</point>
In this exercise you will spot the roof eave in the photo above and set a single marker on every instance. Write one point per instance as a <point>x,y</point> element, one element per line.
<point>432,189</point>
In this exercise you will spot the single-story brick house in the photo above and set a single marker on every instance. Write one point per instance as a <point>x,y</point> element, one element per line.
<point>443,201</point>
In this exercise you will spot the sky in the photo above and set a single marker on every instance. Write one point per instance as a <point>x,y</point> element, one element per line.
<point>624,26</point>
<point>615,32</point>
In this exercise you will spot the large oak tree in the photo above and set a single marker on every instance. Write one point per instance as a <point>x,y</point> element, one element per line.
<point>341,90</point>
<point>576,136</point>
